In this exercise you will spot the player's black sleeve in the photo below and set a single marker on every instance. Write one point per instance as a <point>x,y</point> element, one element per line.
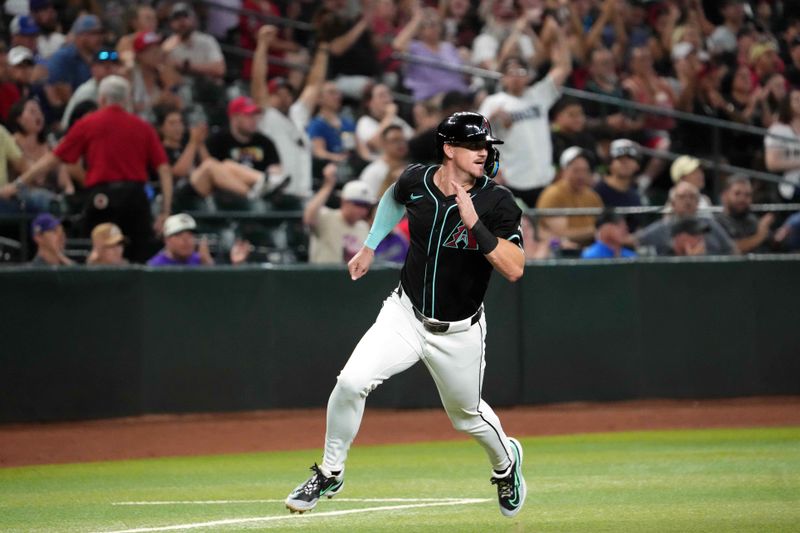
<point>406,181</point>
<point>504,220</point>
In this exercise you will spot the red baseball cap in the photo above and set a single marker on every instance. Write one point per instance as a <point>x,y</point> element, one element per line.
<point>242,105</point>
<point>144,39</point>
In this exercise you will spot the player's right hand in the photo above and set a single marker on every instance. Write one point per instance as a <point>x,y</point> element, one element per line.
<point>360,263</point>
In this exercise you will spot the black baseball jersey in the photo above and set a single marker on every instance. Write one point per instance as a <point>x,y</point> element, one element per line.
<point>445,275</point>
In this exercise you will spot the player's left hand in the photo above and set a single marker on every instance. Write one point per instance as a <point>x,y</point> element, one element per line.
<point>465,207</point>
<point>360,263</point>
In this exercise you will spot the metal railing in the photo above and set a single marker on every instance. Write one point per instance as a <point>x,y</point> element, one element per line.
<point>23,219</point>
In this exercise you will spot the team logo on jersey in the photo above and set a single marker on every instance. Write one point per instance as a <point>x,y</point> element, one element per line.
<point>461,238</point>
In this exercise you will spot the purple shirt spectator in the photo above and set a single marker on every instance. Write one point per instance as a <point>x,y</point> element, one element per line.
<point>424,81</point>
<point>162,259</point>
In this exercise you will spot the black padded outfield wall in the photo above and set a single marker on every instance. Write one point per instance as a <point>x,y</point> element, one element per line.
<point>78,343</point>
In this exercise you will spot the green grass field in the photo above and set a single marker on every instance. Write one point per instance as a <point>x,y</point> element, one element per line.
<point>681,481</point>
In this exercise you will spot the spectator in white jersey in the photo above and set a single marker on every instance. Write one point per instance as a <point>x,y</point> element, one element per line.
<point>285,117</point>
<point>519,116</point>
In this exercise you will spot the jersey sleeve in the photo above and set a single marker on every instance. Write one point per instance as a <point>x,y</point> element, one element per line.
<point>505,219</point>
<point>404,184</point>
<point>544,93</point>
<point>73,144</point>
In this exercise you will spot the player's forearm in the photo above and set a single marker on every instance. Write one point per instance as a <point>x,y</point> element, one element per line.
<point>508,259</point>
<point>389,213</point>
<point>313,206</point>
<point>44,165</point>
<point>165,177</point>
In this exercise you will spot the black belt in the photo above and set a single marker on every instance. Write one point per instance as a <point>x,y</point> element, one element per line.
<point>434,326</point>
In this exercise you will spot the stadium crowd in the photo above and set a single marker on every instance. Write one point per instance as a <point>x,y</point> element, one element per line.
<point>121,118</point>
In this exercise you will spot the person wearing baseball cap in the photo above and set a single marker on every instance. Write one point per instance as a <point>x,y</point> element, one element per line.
<point>50,239</point>
<point>24,32</point>
<point>618,188</point>
<point>144,20</point>
<point>189,50</point>
<point>572,189</point>
<point>19,55</point>
<point>611,234</point>
<point>688,168</point>
<point>242,143</point>
<point>182,249</point>
<point>70,65</point>
<point>180,244</point>
<point>338,234</point>
<point>50,39</point>
<point>108,243</point>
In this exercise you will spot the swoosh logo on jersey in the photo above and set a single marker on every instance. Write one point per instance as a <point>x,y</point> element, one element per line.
<point>415,197</point>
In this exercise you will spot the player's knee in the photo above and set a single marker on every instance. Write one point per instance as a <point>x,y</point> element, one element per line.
<point>352,386</point>
<point>464,421</point>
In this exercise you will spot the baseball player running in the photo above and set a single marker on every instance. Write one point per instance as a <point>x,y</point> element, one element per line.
<point>462,227</point>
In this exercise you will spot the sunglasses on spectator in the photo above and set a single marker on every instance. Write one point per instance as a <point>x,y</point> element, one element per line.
<point>107,55</point>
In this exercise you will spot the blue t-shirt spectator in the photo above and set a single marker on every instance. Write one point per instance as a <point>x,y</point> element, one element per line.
<point>336,140</point>
<point>67,66</point>
<point>598,250</point>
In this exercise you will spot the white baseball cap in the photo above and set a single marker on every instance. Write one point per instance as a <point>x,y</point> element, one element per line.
<point>178,223</point>
<point>358,192</point>
<point>572,153</point>
<point>682,166</point>
<point>623,148</point>
<point>18,55</point>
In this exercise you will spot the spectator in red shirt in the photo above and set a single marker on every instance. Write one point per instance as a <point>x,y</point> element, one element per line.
<point>117,148</point>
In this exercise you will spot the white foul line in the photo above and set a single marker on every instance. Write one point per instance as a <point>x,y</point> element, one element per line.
<point>226,502</point>
<point>233,521</point>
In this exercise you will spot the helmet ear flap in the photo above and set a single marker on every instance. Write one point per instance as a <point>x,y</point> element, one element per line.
<point>492,164</point>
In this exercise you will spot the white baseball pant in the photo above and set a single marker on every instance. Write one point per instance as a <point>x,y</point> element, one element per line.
<point>395,342</point>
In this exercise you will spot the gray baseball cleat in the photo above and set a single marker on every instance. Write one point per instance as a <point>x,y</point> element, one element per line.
<point>511,489</point>
<point>307,494</point>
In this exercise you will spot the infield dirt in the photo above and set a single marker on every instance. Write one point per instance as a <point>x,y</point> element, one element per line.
<point>208,434</point>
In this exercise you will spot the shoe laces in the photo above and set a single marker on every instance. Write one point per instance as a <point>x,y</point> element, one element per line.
<point>314,482</point>
<point>505,485</point>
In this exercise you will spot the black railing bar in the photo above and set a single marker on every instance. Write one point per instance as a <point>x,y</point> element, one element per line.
<point>278,21</point>
<point>621,102</point>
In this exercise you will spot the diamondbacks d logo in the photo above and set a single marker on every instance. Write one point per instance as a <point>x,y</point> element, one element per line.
<point>461,238</point>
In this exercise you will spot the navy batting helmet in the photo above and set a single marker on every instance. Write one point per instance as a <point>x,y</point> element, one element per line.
<point>468,127</point>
